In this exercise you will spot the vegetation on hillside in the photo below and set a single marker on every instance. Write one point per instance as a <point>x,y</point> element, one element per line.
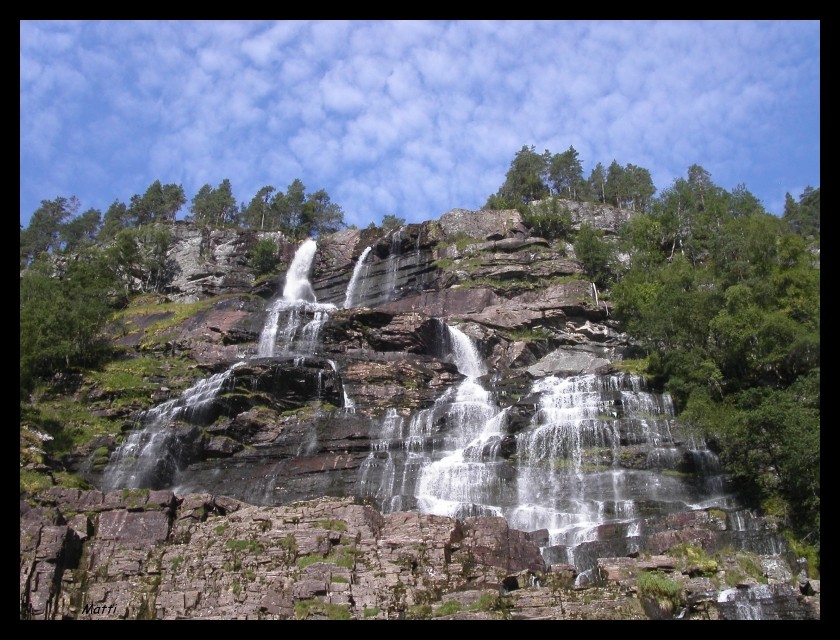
<point>533,176</point>
<point>725,300</point>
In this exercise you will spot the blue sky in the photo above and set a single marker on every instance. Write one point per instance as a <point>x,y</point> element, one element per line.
<point>411,118</point>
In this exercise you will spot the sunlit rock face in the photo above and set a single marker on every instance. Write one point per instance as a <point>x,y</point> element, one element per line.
<point>456,374</point>
<point>133,554</point>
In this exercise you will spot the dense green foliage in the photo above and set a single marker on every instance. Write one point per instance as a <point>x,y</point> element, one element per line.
<point>54,226</point>
<point>548,219</point>
<point>524,182</point>
<point>61,314</point>
<point>295,213</point>
<point>45,228</point>
<point>160,202</point>
<point>533,176</point>
<point>264,257</point>
<point>725,299</point>
<point>214,207</point>
<point>803,217</point>
<point>656,585</point>
<point>390,221</point>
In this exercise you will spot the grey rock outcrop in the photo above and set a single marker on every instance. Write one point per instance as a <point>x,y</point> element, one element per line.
<point>484,224</point>
<point>209,262</point>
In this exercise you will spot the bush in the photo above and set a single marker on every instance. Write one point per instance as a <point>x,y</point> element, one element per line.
<point>264,257</point>
<point>548,219</point>
<point>656,588</point>
<point>809,552</point>
<point>448,608</point>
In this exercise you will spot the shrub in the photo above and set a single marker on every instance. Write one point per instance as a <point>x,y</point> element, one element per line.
<point>264,257</point>
<point>548,219</point>
<point>654,585</point>
<point>448,608</point>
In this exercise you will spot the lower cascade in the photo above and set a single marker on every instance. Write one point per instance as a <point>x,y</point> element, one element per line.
<point>149,456</point>
<point>566,472</point>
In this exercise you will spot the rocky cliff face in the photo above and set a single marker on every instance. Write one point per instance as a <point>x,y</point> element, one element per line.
<point>139,554</point>
<point>449,394</point>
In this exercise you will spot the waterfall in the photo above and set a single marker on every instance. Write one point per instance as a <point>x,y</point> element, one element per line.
<point>465,353</point>
<point>297,287</point>
<point>349,405</point>
<point>149,456</point>
<point>561,467</point>
<point>393,264</point>
<point>444,460</point>
<point>463,478</point>
<point>550,487</point>
<point>304,315</point>
<point>378,471</point>
<point>598,457</point>
<point>572,478</point>
<point>746,604</point>
<point>268,335</point>
<point>349,298</point>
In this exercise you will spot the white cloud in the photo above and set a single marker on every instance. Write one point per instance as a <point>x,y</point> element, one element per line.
<point>38,138</point>
<point>341,96</point>
<point>414,116</point>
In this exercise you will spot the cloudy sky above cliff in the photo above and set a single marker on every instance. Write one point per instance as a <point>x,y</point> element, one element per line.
<point>410,118</point>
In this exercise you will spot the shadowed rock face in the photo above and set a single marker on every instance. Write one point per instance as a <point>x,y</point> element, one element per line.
<point>564,484</point>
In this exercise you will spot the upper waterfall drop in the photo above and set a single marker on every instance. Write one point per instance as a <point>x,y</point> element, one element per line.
<point>297,287</point>
<point>354,279</point>
<point>298,300</point>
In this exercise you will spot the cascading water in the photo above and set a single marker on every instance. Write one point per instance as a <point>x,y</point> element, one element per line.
<point>394,261</point>
<point>598,451</point>
<point>150,456</point>
<point>359,272</point>
<point>349,404</point>
<point>304,315</point>
<point>443,460</point>
<point>378,471</point>
<point>297,286</point>
<point>571,477</point>
<point>462,479</point>
<point>756,602</point>
<point>397,266</point>
<point>454,467</point>
<point>465,354</point>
